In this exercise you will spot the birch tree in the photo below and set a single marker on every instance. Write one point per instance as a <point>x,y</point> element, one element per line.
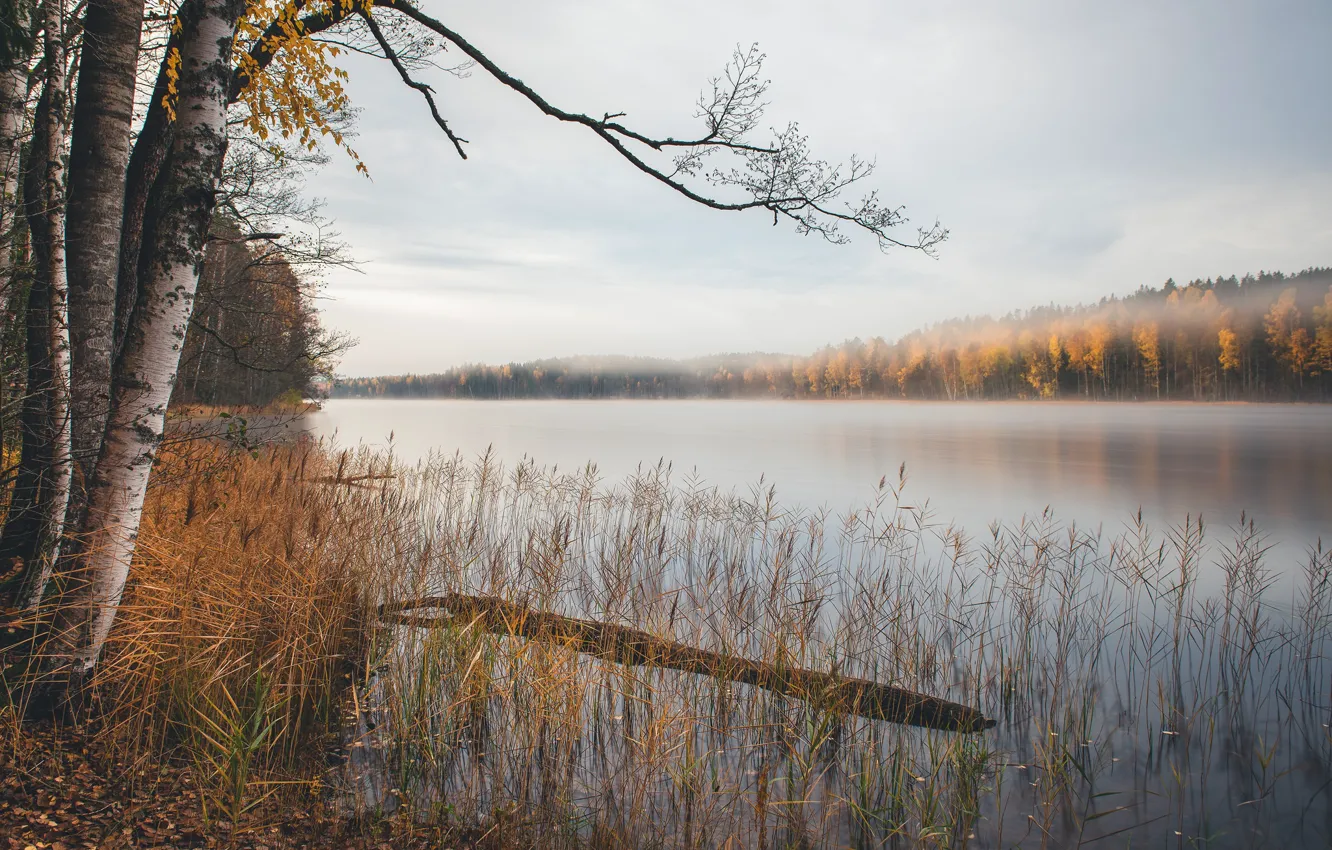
<point>36,518</point>
<point>98,156</point>
<point>13,102</point>
<point>15,49</point>
<point>272,59</point>
<point>181,206</point>
<point>15,46</point>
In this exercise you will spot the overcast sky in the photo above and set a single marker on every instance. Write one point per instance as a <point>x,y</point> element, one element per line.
<point>1074,150</point>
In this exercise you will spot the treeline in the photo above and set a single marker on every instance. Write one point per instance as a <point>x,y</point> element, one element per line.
<point>1265,337</point>
<point>255,337</point>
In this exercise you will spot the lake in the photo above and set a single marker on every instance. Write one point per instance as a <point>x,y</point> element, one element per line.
<point>1159,689</point>
<point>1094,465</point>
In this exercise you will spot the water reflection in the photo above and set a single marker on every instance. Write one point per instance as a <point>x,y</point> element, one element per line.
<point>1135,706</point>
<point>1093,464</point>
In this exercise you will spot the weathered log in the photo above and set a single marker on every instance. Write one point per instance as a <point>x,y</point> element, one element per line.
<point>636,648</point>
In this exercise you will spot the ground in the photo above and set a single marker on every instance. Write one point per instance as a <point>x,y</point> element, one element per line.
<point>60,791</point>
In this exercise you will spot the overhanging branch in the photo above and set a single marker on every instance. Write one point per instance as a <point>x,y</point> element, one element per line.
<point>424,89</point>
<point>781,177</point>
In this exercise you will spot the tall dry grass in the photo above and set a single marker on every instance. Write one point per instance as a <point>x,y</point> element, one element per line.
<point>247,616</point>
<point>1151,688</point>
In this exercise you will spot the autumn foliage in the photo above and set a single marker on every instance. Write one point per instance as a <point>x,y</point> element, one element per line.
<point>1258,338</point>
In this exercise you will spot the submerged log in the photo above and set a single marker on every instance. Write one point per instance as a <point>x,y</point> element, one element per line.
<point>636,648</point>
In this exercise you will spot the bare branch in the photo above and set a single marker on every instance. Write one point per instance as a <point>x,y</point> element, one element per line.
<point>424,89</point>
<point>781,177</point>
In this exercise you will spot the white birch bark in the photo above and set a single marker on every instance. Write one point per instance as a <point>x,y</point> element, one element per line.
<point>147,368</point>
<point>13,101</point>
<point>13,117</point>
<point>48,241</point>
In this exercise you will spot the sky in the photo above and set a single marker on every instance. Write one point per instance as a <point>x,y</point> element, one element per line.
<point>1073,149</point>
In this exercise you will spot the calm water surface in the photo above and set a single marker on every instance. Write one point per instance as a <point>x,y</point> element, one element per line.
<point>1135,714</point>
<point>1092,464</point>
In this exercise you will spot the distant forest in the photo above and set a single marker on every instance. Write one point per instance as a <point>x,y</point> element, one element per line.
<point>254,337</point>
<point>1257,338</point>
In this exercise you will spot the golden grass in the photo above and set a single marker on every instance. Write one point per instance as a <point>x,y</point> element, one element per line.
<point>245,619</point>
<point>1147,687</point>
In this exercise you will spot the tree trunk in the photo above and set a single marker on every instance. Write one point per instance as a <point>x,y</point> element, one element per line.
<point>48,348</point>
<point>13,99</point>
<point>637,648</point>
<point>180,208</point>
<point>98,156</point>
<point>146,162</point>
<point>22,528</point>
<point>154,144</point>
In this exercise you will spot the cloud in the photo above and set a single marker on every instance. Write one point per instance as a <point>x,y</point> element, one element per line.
<point>1074,150</point>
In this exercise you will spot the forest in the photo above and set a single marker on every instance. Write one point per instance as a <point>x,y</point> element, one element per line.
<point>255,338</point>
<point>1264,337</point>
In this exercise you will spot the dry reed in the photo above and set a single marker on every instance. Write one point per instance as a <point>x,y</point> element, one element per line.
<point>1149,688</point>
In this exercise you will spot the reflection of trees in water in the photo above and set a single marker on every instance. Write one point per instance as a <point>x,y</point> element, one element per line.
<point>1134,702</point>
<point>974,463</point>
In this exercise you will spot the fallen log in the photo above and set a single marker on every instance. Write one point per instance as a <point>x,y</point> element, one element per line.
<point>636,648</point>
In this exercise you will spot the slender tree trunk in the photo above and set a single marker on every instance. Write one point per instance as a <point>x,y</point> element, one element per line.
<point>44,207</point>
<point>13,99</point>
<point>98,156</point>
<point>22,529</point>
<point>147,159</point>
<point>181,206</point>
<point>13,102</point>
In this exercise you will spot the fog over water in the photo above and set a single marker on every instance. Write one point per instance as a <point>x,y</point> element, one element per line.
<point>1092,464</point>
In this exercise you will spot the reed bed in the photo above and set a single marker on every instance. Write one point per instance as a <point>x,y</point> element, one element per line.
<point>1162,687</point>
